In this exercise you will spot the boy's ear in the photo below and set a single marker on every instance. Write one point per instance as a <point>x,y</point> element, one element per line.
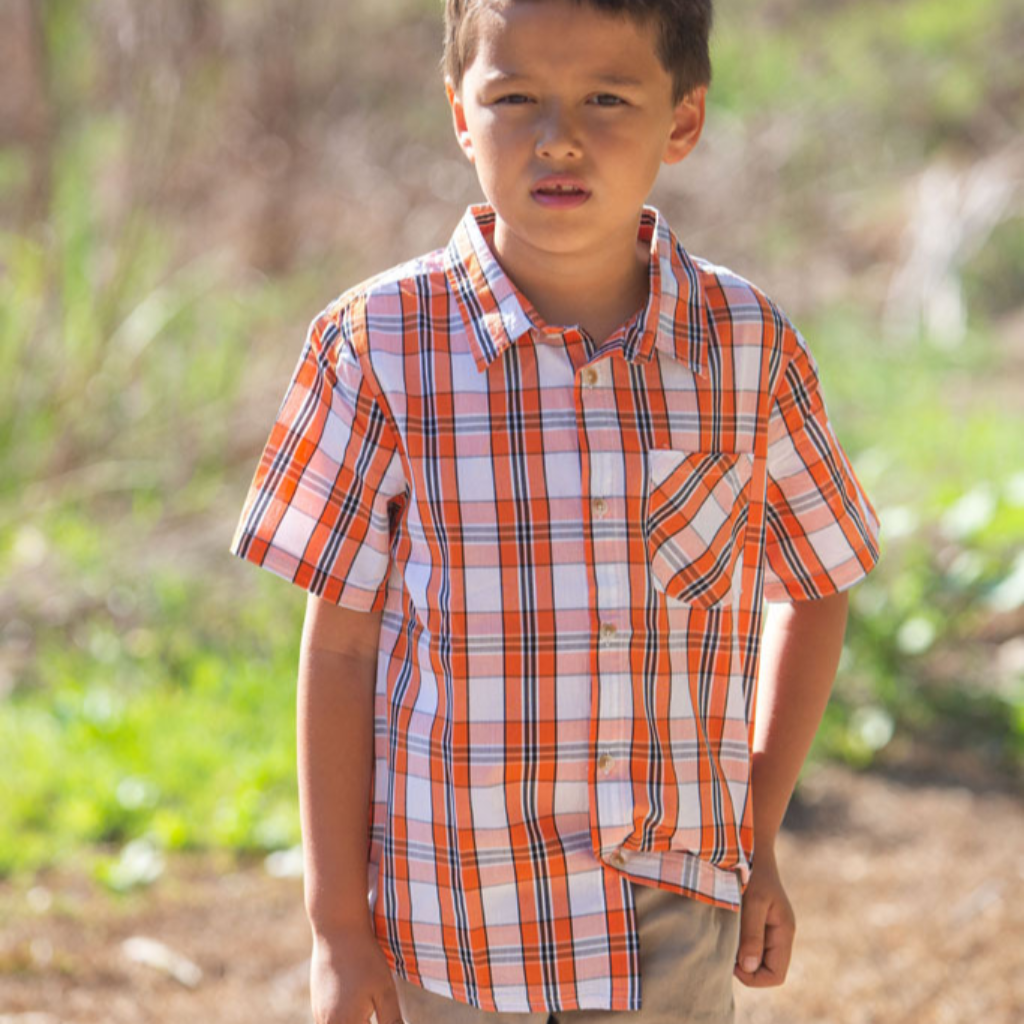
<point>687,125</point>
<point>459,118</point>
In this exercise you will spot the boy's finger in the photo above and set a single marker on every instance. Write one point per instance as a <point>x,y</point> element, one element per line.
<point>752,924</point>
<point>775,955</point>
<point>779,948</point>
<point>385,1005</point>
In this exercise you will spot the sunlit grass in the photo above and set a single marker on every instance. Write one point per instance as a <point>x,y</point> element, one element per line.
<point>179,729</point>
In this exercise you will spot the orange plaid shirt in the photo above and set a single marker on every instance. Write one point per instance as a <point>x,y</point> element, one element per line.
<point>571,544</point>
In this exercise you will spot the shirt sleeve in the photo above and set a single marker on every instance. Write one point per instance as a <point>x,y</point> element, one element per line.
<point>320,507</point>
<point>821,530</point>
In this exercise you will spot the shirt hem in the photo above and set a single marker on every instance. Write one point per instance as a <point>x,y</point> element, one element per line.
<point>588,1001</point>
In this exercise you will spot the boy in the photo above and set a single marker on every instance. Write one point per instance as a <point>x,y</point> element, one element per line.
<point>538,485</point>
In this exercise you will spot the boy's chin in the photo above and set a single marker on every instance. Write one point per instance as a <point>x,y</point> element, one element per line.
<point>556,235</point>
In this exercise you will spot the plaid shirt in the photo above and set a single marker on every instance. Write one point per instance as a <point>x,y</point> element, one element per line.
<point>571,544</point>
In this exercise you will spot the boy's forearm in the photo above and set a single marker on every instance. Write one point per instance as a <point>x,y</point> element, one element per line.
<point>800,654</point>
<point>335,758</point>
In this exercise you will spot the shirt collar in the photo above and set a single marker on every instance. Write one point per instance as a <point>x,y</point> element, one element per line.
<point>496,314</point>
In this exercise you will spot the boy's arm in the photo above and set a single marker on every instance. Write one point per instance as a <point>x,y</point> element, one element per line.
<point>800,654</point>
<point>349,976</point>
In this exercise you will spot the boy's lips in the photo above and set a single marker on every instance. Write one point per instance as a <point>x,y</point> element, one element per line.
<point>560,190</point>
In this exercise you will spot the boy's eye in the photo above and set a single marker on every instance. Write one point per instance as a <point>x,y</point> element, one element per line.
<point>513,99</point>
<point>607,99</point>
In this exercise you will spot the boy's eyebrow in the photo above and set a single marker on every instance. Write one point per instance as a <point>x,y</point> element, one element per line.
<point>503,78</point>
<point>619,80</point>
<point>609,78</point>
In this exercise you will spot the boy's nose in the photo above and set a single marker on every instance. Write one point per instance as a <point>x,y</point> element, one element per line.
<point>556,137</point>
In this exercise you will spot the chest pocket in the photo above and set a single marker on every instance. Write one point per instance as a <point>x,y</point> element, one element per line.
<point>696,518</point>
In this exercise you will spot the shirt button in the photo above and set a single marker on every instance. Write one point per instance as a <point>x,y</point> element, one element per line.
<point>607,631</point>
<point>606,762</point>
<point>599,507</point>
<point>589,376</point>
<point>617,859</point>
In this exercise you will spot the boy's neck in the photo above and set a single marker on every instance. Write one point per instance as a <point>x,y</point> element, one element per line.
<point>596,290</point>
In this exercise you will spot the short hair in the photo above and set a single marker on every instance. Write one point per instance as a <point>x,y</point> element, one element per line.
<point>683,30</point>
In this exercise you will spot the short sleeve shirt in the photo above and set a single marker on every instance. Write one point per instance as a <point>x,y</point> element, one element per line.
<point>571,544</point>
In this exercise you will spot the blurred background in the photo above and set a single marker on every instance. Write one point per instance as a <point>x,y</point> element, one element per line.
<point>184,184</point>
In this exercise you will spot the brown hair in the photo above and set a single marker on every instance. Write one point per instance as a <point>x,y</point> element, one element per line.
<point>683,29</point>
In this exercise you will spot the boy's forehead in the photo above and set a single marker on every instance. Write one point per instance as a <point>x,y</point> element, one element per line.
<point>518,38</point>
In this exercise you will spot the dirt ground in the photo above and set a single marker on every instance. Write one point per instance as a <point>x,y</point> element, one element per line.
<point>908,897</point>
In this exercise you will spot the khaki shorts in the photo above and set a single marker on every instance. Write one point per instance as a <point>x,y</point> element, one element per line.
<point>687,954</point>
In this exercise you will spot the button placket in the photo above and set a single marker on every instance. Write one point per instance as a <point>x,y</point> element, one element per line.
<point>603,482</point>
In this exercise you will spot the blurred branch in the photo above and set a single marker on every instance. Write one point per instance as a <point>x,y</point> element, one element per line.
<point>953,214</point>
<point>34,110</point>
<point>277,98</point>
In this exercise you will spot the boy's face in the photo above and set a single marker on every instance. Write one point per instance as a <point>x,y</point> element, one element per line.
<point>567,114</point>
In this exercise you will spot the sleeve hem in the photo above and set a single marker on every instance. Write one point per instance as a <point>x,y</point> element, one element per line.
<point>813,588</point>
<point>307,576</point>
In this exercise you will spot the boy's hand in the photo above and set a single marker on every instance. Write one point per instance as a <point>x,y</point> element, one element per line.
<point>349,980</point>
<point>767,926</point>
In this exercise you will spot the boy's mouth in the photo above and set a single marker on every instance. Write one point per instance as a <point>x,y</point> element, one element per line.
<point>560,190</point>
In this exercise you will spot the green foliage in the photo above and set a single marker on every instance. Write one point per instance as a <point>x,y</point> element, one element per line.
<point>992,279</point>
<point>909,71</point>
<point>947,474</point>
<point>180,732</point>
<point>152,705</point>
<point>128,362</point>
